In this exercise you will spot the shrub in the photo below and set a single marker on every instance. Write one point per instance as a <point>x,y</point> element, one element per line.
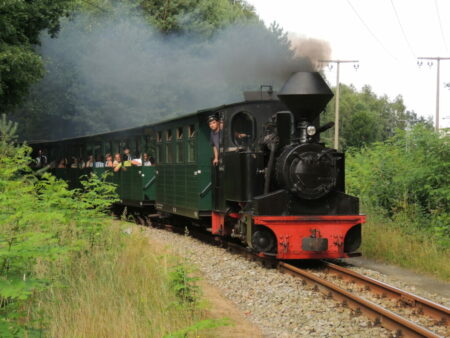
<point>406,178</point>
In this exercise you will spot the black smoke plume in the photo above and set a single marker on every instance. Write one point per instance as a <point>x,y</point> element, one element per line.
<point>120,72</point>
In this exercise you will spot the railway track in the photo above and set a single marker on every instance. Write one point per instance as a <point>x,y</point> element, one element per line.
<point>436,312</point>
<point>378,314</point>
<point>339,283</point>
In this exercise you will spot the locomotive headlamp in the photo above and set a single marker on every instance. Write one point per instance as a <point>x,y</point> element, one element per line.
<point>311,130</point>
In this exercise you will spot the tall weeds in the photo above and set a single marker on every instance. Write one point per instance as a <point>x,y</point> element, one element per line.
<point>122,292</point>
<point>386,240</point>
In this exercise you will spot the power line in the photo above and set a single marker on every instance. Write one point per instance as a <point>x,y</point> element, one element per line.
<point>401,28</point>
<point>370,31</point>
<point>440,25</point>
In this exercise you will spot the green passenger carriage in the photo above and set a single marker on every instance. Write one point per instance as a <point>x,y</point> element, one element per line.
<point>179,183</point>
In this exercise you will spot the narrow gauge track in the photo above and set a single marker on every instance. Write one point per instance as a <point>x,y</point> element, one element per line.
<point>379,315</point>
<point>440,314</point>
<point>401,326</point>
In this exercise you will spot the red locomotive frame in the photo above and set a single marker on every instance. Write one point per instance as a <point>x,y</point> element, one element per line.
<point>291,231</point>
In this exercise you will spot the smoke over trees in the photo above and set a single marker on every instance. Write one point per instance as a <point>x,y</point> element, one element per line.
<point>114,67</point>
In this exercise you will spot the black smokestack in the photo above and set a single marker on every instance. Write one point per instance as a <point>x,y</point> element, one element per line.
<point>306,94</point>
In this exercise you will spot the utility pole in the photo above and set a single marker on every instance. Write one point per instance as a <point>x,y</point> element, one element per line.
<point>438,71</point>
<point>336,117</point>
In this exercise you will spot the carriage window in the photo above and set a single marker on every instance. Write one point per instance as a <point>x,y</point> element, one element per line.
<point>107,146</point>
<point>123,144</point>
<point>191,131</point>
<point>116,147</point>
<point>191,151</point>
<point>138,145</point>
<point>243,129</point>
<point>148,141</point>
<point>159,153</point>
<point>169,153</point>
<point>158,136</point>
<point>179,133</point>
<point>169,135</point>
<point>96,150</point>
<point>180,152</point>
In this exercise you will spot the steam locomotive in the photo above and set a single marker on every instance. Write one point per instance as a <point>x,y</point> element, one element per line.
<point>276,188</point>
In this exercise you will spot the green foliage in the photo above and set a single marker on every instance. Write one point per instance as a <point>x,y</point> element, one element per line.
<point>8,130</point>
<point>366,118</point>
<point>195,16</point>
<point>406,178</point>
<point>199,17</point>
<point>206,324</point>
<point>20,25</point>
<point>184,284</point>
<point>40,221</point>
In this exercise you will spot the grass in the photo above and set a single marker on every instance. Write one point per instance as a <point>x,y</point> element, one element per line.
<point>385,241</point>
<point>122,291</point>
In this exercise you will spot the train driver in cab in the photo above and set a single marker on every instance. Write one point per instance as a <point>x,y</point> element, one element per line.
<point>214,125</point>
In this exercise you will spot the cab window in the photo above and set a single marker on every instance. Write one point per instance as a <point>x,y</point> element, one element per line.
<point>243,129</point>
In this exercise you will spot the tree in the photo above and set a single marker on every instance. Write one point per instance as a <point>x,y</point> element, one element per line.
<point>195,16</point>
<point>366,118</point>
<point>20,26</point>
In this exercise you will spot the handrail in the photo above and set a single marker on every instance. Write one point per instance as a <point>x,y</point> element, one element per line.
<point>149,183</point>
<point>206,190</point>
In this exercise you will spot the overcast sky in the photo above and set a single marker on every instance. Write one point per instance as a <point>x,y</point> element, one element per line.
<point>386,36</point>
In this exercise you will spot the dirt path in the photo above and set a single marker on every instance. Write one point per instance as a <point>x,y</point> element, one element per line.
<point>220,307</point>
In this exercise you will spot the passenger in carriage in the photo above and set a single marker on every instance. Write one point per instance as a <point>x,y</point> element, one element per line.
<point>117,164</point>
<point>62,163</point>
<point>146,160</point>
<point>74,164</point>
<point>99,163</point>
<point>137,161</point>
<point>52,164</point>
<point>41,159</point>
<point>81,163</point>
<point>109,161</point>
<point>89,162</point>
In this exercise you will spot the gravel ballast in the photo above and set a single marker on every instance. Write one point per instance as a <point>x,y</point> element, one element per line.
<point>279,304</point>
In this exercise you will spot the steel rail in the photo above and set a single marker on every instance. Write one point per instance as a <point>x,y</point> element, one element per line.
<point>436,311</point>
<point>378,314</point>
